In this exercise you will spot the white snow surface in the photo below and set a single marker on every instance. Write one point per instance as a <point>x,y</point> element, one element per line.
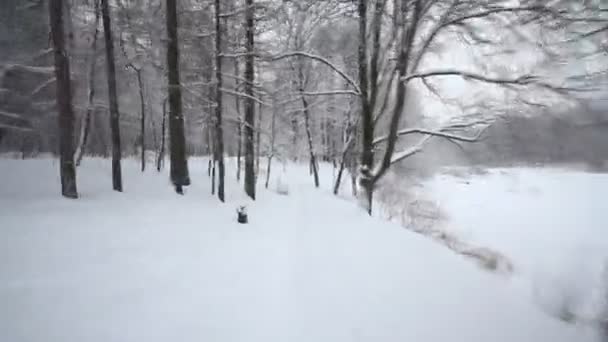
<point>551,223</point>
<point>149,265</point>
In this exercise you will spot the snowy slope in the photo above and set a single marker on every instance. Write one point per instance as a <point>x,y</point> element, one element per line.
<point>551,223</point>
<point>147,265</point>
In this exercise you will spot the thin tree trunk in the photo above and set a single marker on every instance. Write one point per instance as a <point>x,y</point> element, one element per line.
<point>155,143</point>
<point>249,103</point>
<point>67,169</point>
<point>213,164</point>
<point>349,139</point>
<point>306,110</point>
<point>163,132</point>
<point>272,138</point>
<point>313,159</point>
<point>86,125</point>
<point>258,141</point>
<point>237,105</point>
<point>219,131</point>
<point>339,178</point>
<point>113,97</point>
<point>367,122</point>
<point>142,127</point>
<point>179,164</point>
<point>294,137</point>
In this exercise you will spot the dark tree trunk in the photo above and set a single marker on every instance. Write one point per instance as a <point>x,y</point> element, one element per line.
<point>237,105</point>
<point>311,152</point>
<point>213,164</point>
<point>113,97</point>
<point>86,125</point>
<point>367,120</point>
<point>339,178</point>
<point>258,141</point>
<point>294,137</point>
<point>219,131</point>
<point>69,27</point>
<point>142,122</point>
<point>67,169</point>
<point>313,159</point>
<point>179,164</point>
<point>249,103</point>
<point>163,130</point>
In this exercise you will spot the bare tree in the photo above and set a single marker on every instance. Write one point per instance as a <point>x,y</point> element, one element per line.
<point>249,100</point>
<point>396,39</point>
<point>64,102</point>
<point>113,97</point>
<point>163,133</point>
<point>219,131</point>
<point>142,110</point>
<point>179,164</point>
<point>86,124</point>
<point>237,107</point>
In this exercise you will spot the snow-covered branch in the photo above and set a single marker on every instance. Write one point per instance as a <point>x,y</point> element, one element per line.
<point>322,60</point>
<point>329,93</point>
<point>445,132</point>
<point>240,94</point>
<point>413,150</point>
<point>524,80</point>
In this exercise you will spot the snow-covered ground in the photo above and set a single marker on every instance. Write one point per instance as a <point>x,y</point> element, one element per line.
<point>148,265</point>
<point>551,223</point>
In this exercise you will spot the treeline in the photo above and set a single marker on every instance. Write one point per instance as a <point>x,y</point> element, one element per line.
<point>340,81</point>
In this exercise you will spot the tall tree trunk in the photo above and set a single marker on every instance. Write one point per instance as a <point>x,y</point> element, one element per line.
<point>339,178</point>
<point>258,141</point>
<point>86,124</point>
<point>237,105</point>
<point>155,141</point>
<point>142,121</point>
<point>113,97</point>
<point>367,120</point>
<point>179,164</point>
<point>219,131</point>
<point>67,169</point>
<point>272,138</point>
<point>249,103</point>
<point>69,27</point>
<point>347,146</point>
<point>294,137</point>
<point>311,152</point>
<point>213,164</point>
<point>306,110</point>
<point>163,132</point>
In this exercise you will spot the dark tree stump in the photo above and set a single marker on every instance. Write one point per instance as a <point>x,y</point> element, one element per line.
<point>242,215</point>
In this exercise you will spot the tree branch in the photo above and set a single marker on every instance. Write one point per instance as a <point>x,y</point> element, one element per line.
<point>523,80</point>
<point>441,133</point>
<point>322,60</point>
<point>329,93</point>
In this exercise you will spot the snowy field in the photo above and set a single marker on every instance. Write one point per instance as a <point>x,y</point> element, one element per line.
<point>551,223</point>
<point>148,265</point>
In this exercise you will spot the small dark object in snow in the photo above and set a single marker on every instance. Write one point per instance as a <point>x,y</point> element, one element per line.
<point>241,214</point>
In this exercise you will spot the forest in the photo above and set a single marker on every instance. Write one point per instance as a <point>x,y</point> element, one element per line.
<point>363,85</point>
<point>401,170</point>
